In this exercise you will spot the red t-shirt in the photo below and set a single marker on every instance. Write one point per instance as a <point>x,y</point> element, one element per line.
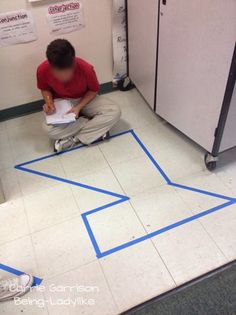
<point>84,80</point>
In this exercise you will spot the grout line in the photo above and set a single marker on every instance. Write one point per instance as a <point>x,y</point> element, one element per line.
<point>70,187</point>
<point>199,221</point>
<point>226,186</point>
<point>121,187</point>
<point>108,284</point>
<point>70,270</point>
<point>31,239</point>
<point>139,217</point>
<point>151,239</point>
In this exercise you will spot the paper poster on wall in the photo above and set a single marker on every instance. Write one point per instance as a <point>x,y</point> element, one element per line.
<point>119,40</point>
<point>65,17</point>
<point>16,27</point>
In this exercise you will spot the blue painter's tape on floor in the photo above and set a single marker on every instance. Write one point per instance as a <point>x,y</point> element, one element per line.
<point>122,198</point>
<point>15,272</point>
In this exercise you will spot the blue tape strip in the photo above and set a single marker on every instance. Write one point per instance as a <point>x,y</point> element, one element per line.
<point>91,235</point>
<point>88,227</point>
<point>154,162</point>
<point>67,150</point>
<point>37,281</point>
<point>122,198</point>
<point>112,204</point>
<point>200,191</point>
<point>70,182</point>
<point>163,230</point>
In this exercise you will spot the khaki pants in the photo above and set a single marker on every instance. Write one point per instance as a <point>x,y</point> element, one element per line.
<point>96,119</point>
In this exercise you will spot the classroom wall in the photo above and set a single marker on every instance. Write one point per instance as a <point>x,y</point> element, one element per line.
<point>18,63</point>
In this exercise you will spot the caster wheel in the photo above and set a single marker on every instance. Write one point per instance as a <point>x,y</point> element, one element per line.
<point>211,166</point>
<point>210,162</point>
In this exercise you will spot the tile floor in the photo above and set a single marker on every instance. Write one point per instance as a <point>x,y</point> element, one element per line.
<point>42,231</point>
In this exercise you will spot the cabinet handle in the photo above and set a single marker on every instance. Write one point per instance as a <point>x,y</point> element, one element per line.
<point>164,2</point>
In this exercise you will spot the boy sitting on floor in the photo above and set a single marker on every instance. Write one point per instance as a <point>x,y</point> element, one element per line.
<point>65,76</point>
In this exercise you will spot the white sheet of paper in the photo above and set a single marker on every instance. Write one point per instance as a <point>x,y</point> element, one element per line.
<point>60,116</point>
<point>17,27</point>
<point>65,17</point>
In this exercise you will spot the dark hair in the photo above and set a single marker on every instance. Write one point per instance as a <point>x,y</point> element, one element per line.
<point>60,54</point>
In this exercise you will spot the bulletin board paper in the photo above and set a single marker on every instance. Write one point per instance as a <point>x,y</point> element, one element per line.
<point>16,27</point>
<point>119,40</point>
<point>65,17</point>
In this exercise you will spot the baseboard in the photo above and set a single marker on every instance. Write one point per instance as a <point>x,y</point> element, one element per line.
<point>36,106</point>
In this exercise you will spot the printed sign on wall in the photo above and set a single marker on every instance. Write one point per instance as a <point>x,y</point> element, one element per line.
<point>119,40</point>
<point>65,17</point>
<point>16,27</point>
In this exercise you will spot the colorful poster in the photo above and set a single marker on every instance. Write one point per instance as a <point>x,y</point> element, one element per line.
<point>16,27</point>
<point>65,17</point>
<point>119,40</point>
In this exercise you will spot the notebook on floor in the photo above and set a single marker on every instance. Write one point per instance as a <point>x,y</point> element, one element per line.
<point>60,116</point>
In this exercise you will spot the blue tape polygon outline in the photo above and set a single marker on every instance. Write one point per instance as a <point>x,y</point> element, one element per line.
<point>122,198</point>
<point>37,281</point>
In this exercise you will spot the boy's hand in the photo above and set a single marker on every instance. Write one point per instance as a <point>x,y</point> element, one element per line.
<point>49,109</point>
<point>75,110</point>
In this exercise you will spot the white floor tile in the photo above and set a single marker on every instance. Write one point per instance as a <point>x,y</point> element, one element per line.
<point>13,221</point>
<point>84,161</point>
<point>221,227</point>
<point>188,252</point>
<point>136,274</point>
<point>31,183</point>
<point>19,254</point>
<point>30,304</point>
<point>121,149</point>
<point>49,207</point>
<point>178,163</point>
<point>115,226</point>
<point>10,185</point>
<point>92,289</point>
<point>135,111</point>
<point>88,199</point>
<point>159,208</point>
<point>2,126</point>
<point>208,182</point>
<point>158,136</point>
<point>6,154</point>
<point>29,120</point>
<point>177,155</point>
<point>63,247</point>
<point>137,175</point>
<point>227,174</point>
<point>29,142</point>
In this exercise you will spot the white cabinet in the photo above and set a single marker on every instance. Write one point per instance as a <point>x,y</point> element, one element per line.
<point>142,26</point>
<point>194,44</point>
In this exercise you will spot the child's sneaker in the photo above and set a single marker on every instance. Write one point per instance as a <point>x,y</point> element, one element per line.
<point>15,287</point>
<point>106,136</point>
<point>63,144</point>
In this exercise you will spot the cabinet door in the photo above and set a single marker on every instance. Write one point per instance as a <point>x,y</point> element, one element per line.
<point>196,44</point>
<point>142,27</point>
